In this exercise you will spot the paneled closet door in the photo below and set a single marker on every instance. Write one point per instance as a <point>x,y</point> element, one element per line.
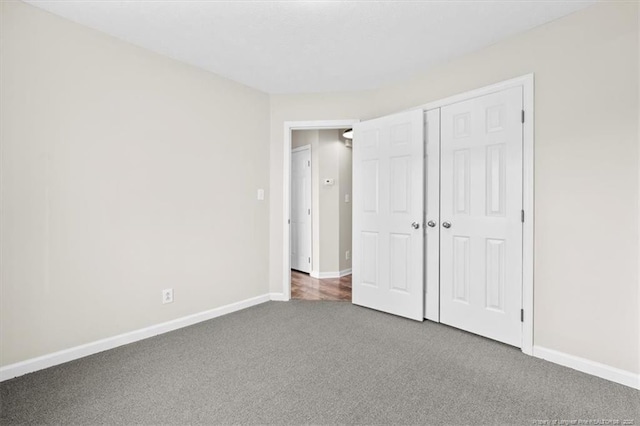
<point>388,209</point>
<point>480,216</point>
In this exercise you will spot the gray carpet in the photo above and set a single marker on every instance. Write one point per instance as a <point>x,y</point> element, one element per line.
<point>313,362</point>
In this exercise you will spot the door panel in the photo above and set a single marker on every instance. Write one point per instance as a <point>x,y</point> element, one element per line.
<point>432,215</point>
<point>388,197</point>
<point>301,210</point>
<point>481,198</point>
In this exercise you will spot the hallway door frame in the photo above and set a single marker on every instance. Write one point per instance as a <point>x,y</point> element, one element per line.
<point>290,126</point>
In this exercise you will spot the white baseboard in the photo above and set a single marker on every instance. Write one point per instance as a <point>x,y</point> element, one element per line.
<point>345,272</point>
<point>604,371</point>
<point>24,367</point>
<point>278,297</point>
<point>323,275</point>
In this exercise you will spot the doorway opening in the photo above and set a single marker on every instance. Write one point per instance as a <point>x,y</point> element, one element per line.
<point>320,215</point>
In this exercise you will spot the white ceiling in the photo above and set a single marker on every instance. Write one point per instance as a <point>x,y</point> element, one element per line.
<point>313,46</point>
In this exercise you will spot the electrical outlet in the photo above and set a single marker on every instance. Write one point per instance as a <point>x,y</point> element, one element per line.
<point>347,254</point>
<point>167,295</point>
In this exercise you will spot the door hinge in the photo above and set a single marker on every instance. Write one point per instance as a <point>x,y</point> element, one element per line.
<point>522,216</point>
<point>308,163</point>
<point>522,116</point>
<point>521,315</point>
<point>288,221</point>
<point>309,260</point>
<point>308,211</point>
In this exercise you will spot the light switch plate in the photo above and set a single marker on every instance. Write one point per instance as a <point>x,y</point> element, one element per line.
<point>260,194</point>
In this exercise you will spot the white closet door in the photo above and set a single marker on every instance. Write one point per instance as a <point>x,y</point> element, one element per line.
<point>301,209</point>
<point>480,205</point>
<point>388,204</point>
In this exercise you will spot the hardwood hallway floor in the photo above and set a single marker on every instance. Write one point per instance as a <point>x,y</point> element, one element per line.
<point>305,287</point>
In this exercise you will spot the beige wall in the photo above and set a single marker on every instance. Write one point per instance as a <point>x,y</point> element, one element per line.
<point>123,173</point>
<point>586,177</point>
<point>327,208</point>
<point>301,138</point>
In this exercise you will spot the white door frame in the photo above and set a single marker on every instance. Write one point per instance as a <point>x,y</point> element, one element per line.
<point>289,126</point>
<point>527,84</point>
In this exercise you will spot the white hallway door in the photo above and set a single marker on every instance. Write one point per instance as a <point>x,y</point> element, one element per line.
<point>301,209</point>
<point>388,163</point>
<point>481,148</point>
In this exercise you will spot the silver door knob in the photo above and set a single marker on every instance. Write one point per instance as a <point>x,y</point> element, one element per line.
<point>415,225</point>
<point>431,224</point>
<point>446,224</point>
